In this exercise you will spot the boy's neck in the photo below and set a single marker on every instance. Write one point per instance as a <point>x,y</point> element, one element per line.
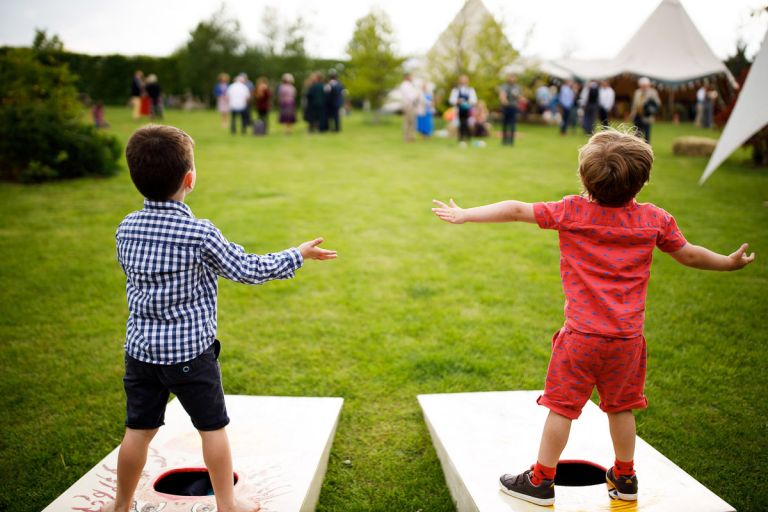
<point>178,196</point>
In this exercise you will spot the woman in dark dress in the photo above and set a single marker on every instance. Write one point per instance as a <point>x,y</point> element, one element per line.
<point>315,103</point>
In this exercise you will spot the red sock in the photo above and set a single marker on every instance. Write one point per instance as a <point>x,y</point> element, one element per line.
<point>622,468</point>
<point>542,473</point>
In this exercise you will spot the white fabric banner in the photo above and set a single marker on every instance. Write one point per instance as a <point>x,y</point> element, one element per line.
<point>749,114</point>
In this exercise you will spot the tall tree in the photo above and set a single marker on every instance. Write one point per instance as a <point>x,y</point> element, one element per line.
<point>271,30</point>
<point>450,57</point>
<point>47,48</point>
<point>493,52</point>
<point>374,66</point>
<point>295,59</point>
<point>213,46</point>
<point>476,45</point>
<point>280,38</point>
<point>43,43</point>
<point>294,44</point>
<point>282,47</point>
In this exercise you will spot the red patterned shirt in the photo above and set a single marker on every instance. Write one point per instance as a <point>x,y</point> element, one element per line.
<point>605,260</point>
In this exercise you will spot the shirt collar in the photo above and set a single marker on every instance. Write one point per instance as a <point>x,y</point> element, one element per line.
<point>632,203</point>
<point>169,206</point>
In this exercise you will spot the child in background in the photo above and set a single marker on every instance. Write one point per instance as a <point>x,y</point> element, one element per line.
<point>97,113</point>
<point>172,261</point>
<point>222,102</point>
<point>463,97</point>
<point>606,245</point>
<point>481,127</point>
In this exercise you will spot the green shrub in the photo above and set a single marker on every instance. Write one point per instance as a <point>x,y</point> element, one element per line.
<point>42,136</point>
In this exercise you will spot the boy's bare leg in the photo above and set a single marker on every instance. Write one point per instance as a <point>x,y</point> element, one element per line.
<point>218,460</point>
<point>557,428</point>
<point>130,463</point>
<point>623,433</point>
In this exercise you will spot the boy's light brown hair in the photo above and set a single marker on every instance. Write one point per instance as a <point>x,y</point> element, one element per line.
<point>158,158</point>
<point>614,166</point>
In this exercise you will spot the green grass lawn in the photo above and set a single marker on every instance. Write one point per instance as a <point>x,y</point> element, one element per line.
<point>411,306</point>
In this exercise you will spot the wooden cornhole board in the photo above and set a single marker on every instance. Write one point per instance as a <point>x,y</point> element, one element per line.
<point>480,436</point>
<point>280,448</point>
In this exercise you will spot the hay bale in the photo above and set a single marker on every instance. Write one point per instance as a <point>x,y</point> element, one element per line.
<point>694,146</point>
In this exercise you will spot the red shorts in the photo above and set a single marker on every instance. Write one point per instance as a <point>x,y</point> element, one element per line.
<point>581,361</point>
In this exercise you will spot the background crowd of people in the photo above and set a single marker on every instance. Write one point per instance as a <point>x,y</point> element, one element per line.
<point>570,105</point>
<point>321,102</point>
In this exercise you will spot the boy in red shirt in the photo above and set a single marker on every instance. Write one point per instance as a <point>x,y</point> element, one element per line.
<point>606,245</point>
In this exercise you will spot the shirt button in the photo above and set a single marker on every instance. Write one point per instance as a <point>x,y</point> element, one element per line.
<point>185,369</point>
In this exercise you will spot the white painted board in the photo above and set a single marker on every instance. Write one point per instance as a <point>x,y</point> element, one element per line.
<point>480,436</point>
<point>280,449</point>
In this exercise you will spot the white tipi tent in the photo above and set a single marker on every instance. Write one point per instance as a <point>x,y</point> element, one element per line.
<point>666,48</point>
<point>749,114</point>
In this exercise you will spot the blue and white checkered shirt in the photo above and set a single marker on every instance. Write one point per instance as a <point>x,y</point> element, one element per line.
<point>172,262</point>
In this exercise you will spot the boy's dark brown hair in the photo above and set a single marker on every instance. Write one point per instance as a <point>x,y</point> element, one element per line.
<point>158,158</point>
<point>614,166</point>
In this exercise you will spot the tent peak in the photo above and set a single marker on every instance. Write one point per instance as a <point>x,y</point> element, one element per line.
<point>667,47</point>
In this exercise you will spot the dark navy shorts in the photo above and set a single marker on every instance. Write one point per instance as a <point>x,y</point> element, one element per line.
<point>196,383</point>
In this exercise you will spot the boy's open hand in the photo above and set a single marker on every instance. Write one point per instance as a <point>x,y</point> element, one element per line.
<point>739,259</point>
<point>453,213</point>
<point>311,251</point>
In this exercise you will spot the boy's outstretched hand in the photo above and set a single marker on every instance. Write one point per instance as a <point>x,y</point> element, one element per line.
<point>453,213</point>
<point>702,258</point>
<point>739,259</point>
<point>311,251</point>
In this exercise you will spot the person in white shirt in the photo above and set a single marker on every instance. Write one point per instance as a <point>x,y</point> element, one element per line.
<point>606,98</point>
<point>409,102</point>
<point>701,96</point>
<point>238,95</point>
<point>463,97</point>
<point>543,98</point>
<point>708,112</point>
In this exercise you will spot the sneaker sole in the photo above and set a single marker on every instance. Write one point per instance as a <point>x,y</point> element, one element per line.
<point>614,493</point>
<point>544,502</point>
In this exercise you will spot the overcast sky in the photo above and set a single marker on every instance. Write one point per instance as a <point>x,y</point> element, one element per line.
<point>585,28</point>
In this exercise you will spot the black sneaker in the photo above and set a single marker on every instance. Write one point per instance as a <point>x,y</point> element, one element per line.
<point>520,486</point>
<point>621,487</point>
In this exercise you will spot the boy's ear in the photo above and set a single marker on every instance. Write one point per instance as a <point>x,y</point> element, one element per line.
<point>189,179</point>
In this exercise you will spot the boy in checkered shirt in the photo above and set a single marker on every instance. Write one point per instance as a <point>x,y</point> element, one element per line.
<point>606,244</point>
<point>172,261</point>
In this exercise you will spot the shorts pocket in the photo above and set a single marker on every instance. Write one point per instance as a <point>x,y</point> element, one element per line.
<point>191,370</point>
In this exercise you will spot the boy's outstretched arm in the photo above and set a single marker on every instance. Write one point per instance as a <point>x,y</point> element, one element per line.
<point>702,258</point>
<point>505,211</point>
<point>232,262</point>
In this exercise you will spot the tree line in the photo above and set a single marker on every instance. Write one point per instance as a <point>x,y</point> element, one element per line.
<point>215,45</point>
<point>372,68</point>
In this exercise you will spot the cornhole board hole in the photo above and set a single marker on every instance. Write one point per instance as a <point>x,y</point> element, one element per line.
<point>480,436</point>
<point>280,448</point>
